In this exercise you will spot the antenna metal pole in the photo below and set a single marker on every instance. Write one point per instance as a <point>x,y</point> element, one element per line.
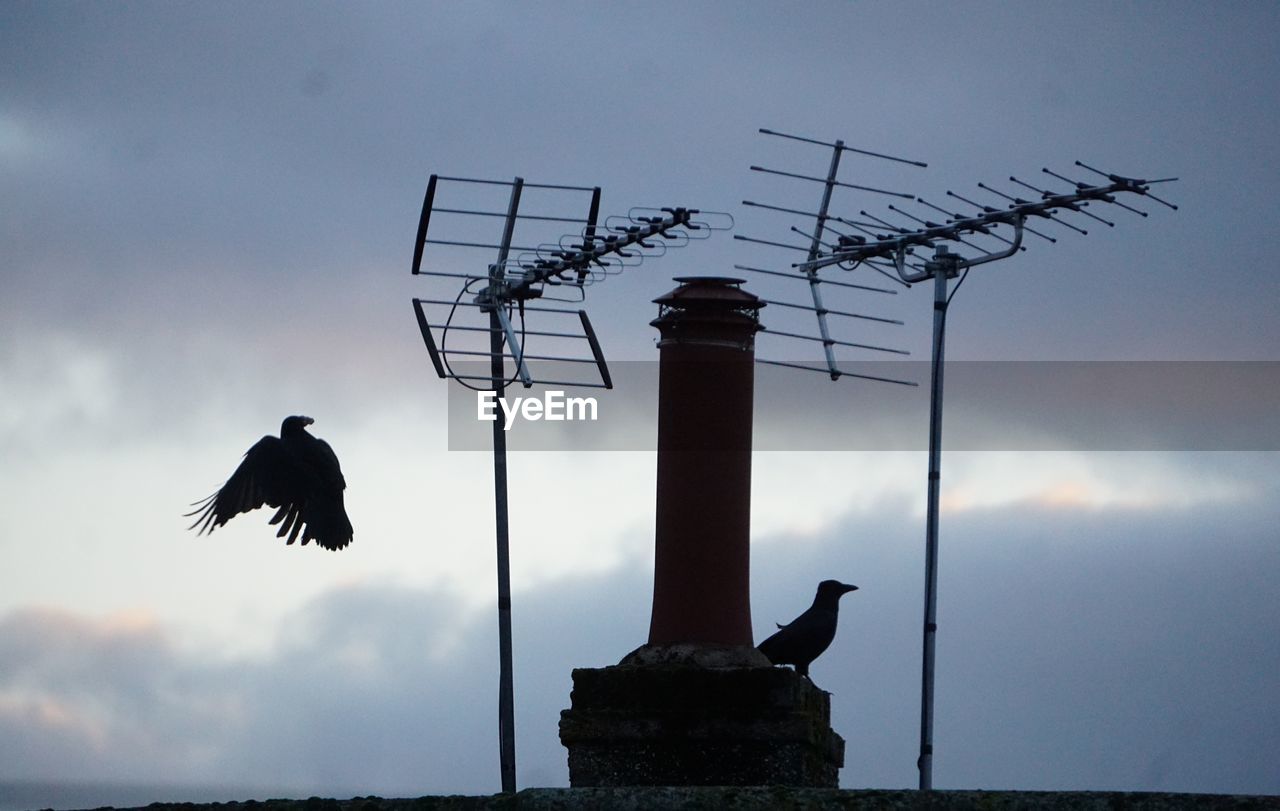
<point>815,248</point>
<point>943,267</point>
<point>497,371</point>
<point>517,277</point>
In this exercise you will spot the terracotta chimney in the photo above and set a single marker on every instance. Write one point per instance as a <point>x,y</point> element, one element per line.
<point>701,589</point>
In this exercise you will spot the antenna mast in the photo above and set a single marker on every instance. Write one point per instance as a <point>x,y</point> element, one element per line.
<point>489,304</point>
<point>942,267</point>
<point>889,249</point>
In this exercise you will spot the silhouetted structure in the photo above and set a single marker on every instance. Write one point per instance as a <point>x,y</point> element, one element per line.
<point>702,543</point>
<point>297,474</point>
<point>808,635</point>
<point>698,704</point>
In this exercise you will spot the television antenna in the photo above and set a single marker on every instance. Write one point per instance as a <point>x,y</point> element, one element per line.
<point>487,318</point>
<point>822,233</point>
<point>988,233</point>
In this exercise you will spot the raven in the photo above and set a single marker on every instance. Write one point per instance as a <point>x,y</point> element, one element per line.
<point>299,475</point>
<point>808,635</point>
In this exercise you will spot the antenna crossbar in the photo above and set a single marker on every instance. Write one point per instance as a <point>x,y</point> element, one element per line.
<point>842,146</point>
<point>836,373</point>
<point>832,182</point>
<point>817,280</point>
<point>833,341</point>
<point>828,311</point>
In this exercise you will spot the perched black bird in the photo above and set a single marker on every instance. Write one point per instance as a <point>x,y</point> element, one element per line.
<point>809,634</point>
<point>299,475</point>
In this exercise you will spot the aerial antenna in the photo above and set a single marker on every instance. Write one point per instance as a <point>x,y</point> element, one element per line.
<point>991,232</point>
<point>823,233</point>
<point>517,314</point>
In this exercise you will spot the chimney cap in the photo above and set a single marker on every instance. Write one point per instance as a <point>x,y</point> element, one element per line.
<point>714,291</point>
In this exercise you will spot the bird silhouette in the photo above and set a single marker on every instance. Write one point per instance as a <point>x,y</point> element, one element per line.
<point>808,635</point>
<point>297,474</point>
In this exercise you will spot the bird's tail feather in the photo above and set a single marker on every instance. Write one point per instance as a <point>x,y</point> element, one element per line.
<point>204,512</point>
<point>328,524</point>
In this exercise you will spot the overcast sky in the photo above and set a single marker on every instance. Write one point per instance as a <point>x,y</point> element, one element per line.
<point>207,213</point>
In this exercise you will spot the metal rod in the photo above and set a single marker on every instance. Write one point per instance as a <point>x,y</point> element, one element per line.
<point>527,308</point>
<point>938,209</point>
<point>477,245</point>
<point>815,246</point>
<point>555,358</point>
<point>990,210</point>
<point>929,224</point>
<point>772,331</point>
<point>519,182</point>
<point>884,223</point>
<point>754,204</point>
<point>453,327</point>
<point>594,343</point>
<point>506,681</point>
<point>472,276</point>
<point>578,383</point>
<point>1076,207</point>
<point>863,226</point>
<point>423,222</point>
<point>517,351</point>
<point>925,763</point>
<point>425,329</point>
<point>876,266</point>
<point>840,145</point>
<point>500,214</point>
<point>1075,183</point>
<point>800,277</point>
<point>839,373</point>
<point>767,242</point>
<point>821,311</point>
<point>823,243</point>
<point>958,216</point>
<point>543,333</point>
<point>1043,213</point>
<point>1158,200</point>
<point>833,182</point>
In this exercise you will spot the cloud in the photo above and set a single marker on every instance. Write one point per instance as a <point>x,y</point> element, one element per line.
<point>1101,650</point>
<point>94,698</point>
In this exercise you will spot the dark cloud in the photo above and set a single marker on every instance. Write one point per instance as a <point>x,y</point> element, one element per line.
<point>1086,650</point>
<point>210,170</point>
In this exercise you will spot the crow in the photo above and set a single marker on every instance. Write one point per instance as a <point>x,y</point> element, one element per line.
<point>808,635</point>
<point>297,474</point>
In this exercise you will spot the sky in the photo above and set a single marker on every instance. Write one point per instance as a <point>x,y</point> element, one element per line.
<point>208,211</point>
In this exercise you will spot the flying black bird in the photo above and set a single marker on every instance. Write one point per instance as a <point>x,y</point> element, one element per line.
<point>809,634</point>
<point>297,474</point>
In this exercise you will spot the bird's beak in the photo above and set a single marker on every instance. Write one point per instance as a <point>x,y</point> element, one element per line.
<point>309,421</point>
<point>845,588</point>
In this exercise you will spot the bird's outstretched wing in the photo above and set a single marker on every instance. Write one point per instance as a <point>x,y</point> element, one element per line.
<point>266,475</point>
